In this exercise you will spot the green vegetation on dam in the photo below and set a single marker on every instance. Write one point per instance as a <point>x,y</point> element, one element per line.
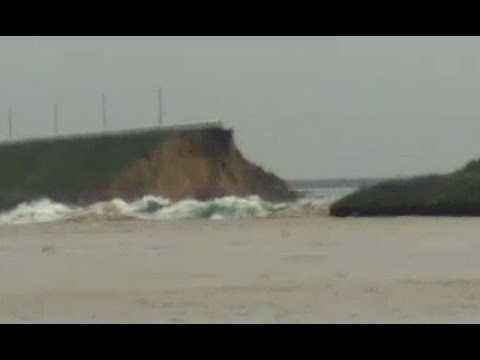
<point>454,194</point>
<point>60,168</point>
<point>82,169</point>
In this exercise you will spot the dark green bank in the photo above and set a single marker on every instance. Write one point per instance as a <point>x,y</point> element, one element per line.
<point>454,194</point>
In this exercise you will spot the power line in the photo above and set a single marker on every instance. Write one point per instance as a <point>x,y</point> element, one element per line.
<point>55,119</point>
<point>104,110</point>
<point>160,107</point>
<point>10,123</point>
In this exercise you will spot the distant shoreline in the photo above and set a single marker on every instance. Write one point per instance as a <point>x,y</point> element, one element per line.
<point>329,183</point>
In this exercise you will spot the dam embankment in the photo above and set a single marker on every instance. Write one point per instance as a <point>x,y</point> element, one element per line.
<point>200,162</point>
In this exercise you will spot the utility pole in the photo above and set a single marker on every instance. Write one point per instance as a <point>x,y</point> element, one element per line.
<point>104,109</point>
<point>10,123</point>
<point>160,107</point>
<point>55,119</point>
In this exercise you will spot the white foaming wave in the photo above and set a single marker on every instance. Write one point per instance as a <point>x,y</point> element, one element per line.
<point>226,207</point>
<point>157,208</point>
<point>43,210</point>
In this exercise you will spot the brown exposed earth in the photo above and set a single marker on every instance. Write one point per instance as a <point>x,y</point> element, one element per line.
<point>201,166</point>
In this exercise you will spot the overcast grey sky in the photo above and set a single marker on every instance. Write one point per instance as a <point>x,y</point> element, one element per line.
<point>303,107</point>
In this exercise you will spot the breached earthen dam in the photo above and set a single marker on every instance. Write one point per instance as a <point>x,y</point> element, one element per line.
<point>195,161</point>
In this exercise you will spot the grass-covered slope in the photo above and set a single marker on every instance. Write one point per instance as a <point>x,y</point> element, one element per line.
<point>454,194</point>
<point>67,168</point>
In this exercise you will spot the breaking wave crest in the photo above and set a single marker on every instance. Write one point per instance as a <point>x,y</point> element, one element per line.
<point>158,208</point>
